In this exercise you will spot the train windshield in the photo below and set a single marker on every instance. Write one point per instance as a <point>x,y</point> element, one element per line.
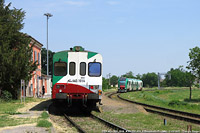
<point>122,82</point>
<point>94,69</point>
<point>60,68</point>
<point>122,79</point>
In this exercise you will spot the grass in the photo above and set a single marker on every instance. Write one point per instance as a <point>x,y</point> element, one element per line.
<point>168,88</point>
<point>6,120</point>
<point>139,122</point>
<point>44,123</point>
<point>44,115</point>
<point>42,120</point>
<point>174,99</point>
<point>8,109</point>
<point>13,105</point>
<point>110,90</point>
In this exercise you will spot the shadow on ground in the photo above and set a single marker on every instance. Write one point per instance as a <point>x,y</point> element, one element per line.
<point>43,106</point>
<point>197,100</point>
<point>76,109</point>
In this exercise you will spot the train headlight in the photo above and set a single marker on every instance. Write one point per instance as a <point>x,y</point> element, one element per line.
<point>60,91</point>
<point>94,87</point>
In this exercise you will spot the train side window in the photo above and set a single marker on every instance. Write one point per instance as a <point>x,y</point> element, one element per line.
<point>94,69</point>
<point>82,68</point>
<point>72,68</point>
<point>60,68</point>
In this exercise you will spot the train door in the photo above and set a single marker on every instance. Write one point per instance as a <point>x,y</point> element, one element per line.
<point>77,68</point>
<point>128,85</point>
<point>82,69</point>
<point>132,85</point>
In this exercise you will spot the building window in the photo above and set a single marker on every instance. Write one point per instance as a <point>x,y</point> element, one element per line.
<point>35,53</point>
<point>94,69</point>
<point>60,68</point>
<point>72,68</point>
<point>32,55</point>
<point>38,58</point>
<point>82,68</point>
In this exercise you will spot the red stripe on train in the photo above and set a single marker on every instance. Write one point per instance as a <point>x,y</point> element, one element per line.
<point>69,88</point>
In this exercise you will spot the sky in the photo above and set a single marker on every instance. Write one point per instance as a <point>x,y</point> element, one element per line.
<point>132,35</point>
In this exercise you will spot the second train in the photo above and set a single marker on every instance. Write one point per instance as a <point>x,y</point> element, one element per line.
<point>129,84</point>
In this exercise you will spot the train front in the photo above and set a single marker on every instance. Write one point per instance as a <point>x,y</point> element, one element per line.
<point>122,84</point>
<point>77,77</point>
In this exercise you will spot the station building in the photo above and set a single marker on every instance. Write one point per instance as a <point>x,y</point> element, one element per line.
<point>38,80</point>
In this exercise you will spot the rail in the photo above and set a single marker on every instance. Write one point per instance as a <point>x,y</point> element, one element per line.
<point>181,115</point>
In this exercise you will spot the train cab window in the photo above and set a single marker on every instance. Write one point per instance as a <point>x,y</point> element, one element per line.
<point>82,68</point>
<point>72,68</point>
<point>60,68</point>
<point>122,79</point>
<point>94,69</point>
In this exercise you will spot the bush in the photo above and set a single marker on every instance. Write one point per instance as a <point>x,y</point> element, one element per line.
<point>6,95</point>
<point>44,123</point>
<point>176,103</point>
<point>196,85</point>
<point>44,115</point>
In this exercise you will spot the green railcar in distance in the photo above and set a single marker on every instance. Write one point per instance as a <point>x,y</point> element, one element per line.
<point>128,84</point>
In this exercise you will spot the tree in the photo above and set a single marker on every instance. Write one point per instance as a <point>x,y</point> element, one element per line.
<point>194,62</point>
<point>105,84</point>
<point>44,60</point>
<point>150,79</point>
<point>113,80</point>
<point>190,80</point>
<point>15,52</point>
<point>138,76</point>
<point>128,75</point>
<point>179,78</point>
<point>194,66</point>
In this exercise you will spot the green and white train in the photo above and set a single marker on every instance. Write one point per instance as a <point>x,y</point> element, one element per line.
<point>128,84</point>
<point>77,76</point>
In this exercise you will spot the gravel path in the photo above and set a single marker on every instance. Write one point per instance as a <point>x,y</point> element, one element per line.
<point>119,106</point>
<point>28,128</point>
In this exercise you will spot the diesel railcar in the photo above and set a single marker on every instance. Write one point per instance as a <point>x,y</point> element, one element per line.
<point>128,84</point>
<point>77,76</point>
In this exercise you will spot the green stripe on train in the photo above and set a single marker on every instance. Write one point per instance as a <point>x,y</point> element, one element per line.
<point>60,56</point>
<point>91,54</point>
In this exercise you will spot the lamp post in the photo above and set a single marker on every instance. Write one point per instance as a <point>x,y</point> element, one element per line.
<point>48,16</point>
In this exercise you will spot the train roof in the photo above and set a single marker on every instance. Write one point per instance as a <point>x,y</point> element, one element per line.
<point>130,79</point>
<point>134,79</point>
<point>76,49</point>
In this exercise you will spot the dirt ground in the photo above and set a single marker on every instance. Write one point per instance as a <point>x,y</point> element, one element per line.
<point>118,106</point>
<point>34,110</point>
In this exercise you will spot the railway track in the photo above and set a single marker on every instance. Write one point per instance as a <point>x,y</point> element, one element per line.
<point>84,121</point>
<point>96,123</point>
<point>180,115</point>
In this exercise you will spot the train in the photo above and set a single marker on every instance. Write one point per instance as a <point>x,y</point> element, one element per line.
<point>129,84</point>
<point>77,77</point>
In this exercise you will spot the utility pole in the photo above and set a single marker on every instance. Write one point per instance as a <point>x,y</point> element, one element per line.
<point>109,75</point>
<point>159,77</point>
<point>48,15</point>
<point>158,80</point>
